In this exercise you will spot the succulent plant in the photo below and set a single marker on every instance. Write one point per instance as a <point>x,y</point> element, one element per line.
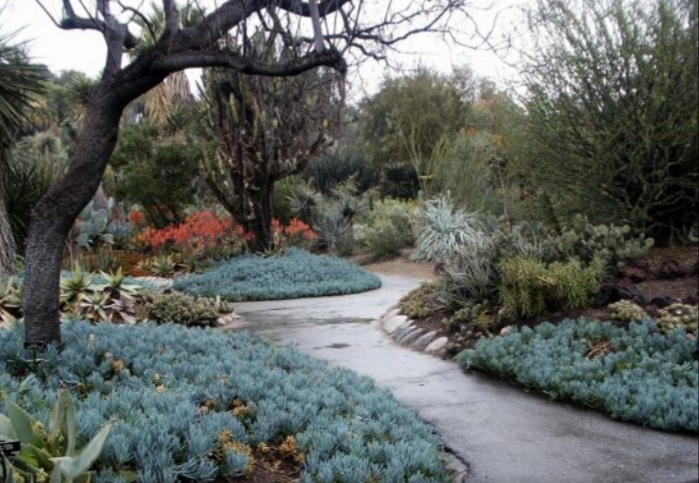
<point>679,315</point>
<point>184,309</point>
<point>103,224</point>
<point>627,311</point>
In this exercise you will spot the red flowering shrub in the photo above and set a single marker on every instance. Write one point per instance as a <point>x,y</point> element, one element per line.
<point>201,234</point>
<point>296,233</point>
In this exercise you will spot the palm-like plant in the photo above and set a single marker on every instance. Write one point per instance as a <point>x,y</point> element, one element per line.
<point>19,81</point>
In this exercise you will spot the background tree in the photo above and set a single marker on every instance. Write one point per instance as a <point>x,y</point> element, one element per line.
<point>404,121</point>
<point>19,80</point>
<point>264,129</point>
<point>613,111</point>
<point>346,28</point>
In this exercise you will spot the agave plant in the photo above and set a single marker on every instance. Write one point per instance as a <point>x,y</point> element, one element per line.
<point>51,452</point>
<point>10,301</point>
<point>73,288</point>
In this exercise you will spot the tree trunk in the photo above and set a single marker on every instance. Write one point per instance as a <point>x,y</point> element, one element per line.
<point>55,213</point>
<point>259,222</point>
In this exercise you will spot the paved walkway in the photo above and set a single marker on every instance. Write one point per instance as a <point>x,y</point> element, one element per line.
<point>504,434</point>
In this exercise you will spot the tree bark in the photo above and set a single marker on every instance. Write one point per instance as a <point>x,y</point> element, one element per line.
<point>259,220</point>
<point>55,213</point>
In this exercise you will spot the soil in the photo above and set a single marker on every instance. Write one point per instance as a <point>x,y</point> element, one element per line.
<point>680,289</point>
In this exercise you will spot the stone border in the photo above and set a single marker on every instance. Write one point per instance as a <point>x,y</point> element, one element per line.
<point>403,330</point>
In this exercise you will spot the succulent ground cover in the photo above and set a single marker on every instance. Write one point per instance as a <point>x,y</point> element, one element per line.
<point>293,274</point>
<point>200,405</point>
<point>635,373</point>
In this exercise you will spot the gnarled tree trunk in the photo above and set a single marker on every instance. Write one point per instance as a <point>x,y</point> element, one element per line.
<point>55,213</point>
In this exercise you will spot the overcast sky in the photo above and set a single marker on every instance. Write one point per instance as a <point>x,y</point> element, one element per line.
<point>85,51</point>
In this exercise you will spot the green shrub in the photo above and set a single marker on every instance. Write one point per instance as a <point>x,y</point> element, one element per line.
<point>294,274</point>
<point>387,227</point>
<point>419,302</point>
<point>326,172</point>
<point>639,375</point>
<point>529,287</point>
<point>179,308</point>
<point>180,396</point>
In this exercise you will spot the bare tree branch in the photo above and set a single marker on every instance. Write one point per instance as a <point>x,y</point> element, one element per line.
<point>172,17</point>
<point>228,58</point>
<point>55,22</point>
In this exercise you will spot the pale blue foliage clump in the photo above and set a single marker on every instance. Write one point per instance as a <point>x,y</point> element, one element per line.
<point>294,274</point>
<point>153,380</point>
<point>636,374</point>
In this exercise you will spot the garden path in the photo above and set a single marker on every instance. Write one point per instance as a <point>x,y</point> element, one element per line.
<point>504,434</point>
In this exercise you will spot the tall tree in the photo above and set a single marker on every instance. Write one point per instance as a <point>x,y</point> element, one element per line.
<point>613,104</point>
<point>404,121</point>
<point>346,27</point>
<point>19,79</point>
<point>264,129</point>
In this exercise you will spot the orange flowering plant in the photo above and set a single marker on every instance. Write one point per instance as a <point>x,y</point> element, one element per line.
<point>296,233</point>
<point>202,234</point>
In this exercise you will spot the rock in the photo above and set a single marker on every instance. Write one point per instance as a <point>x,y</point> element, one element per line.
<point>611,292</point>
<point>411,335</point>
<point>437,346</point>
<point>662,302</point>
<point>403,330</point>
<point>391,325</point>
<point>389,315</point>
<point>670,269</point>
<point>506,330</point>
<point>634,273</point>
<point>424,340</point>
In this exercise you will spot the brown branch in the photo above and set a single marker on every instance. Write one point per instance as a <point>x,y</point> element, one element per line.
<point>226,58</point>
<point>303,9</point>
<point>55,22</point>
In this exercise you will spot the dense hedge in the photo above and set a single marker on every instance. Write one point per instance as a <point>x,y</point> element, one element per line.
<point>294,274</point>
<point>154,381</point>
<point>636,374</point>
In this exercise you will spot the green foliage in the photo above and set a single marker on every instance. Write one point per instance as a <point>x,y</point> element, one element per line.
<point>443,230</point>
<point>179,308</point>
<point>419,302</point>
<point>332,217</point>
<point>388,227</point>
<point>294,274</point>
<point>51,451</point>
<point>399,180</point>
<point>528,287</point>
<point>181,395</point>
<point>326,172</point>
<point>162,182</point>
<point>285,191</point>
<point>679,315</point>
<point>614,244</point>
<point>471,275</point>
<point>627,311</point>
<point>614,109</point>
<point>10,300</point>
<point>637,374</point>
<point>404,120</point>
<point>26,180</point>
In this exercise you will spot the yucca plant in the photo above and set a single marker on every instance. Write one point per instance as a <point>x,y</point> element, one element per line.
<point>443,231</point>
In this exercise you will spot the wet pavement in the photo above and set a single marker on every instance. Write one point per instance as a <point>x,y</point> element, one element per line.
<point>502,433</point>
